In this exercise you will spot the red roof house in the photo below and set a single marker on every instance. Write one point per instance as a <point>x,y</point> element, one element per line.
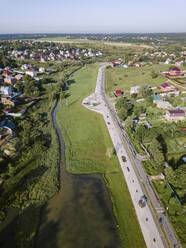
<point>118,92</point>
<point>175,71</point>
<point>6,73</point>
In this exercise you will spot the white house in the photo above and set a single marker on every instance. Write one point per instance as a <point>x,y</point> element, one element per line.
<point>24,67</point>
<point>42,69</point>
<point>31,73</point>
<point>134,89</point>
<point>5,90</point>
<point>167,61</point>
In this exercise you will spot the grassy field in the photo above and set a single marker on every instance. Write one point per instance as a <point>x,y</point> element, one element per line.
<point>67,40</point>
<point>87,142</point>
<point>124,78</point>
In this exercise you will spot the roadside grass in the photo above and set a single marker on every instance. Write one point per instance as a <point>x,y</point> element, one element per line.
<point>175,211</point>
<point>124,78</point>
<point>124,210</point>
<point>87,140</point>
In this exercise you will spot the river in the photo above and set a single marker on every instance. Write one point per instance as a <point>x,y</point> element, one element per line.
<point>81,214</point>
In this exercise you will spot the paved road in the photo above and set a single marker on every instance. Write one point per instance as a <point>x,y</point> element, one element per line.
<point>136,178</point>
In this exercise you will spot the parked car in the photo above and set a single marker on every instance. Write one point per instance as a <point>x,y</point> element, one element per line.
<point>128,168</point>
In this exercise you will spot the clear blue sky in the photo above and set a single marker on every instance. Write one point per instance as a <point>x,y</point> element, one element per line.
<point>61,16</point>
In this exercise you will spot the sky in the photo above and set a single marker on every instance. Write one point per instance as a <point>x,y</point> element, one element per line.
<point>92,16</point>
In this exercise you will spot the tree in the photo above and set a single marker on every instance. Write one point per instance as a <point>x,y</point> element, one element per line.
<point>123,113</point>
<point>121,103</point>
<point>141,131</point>
<point>145,91</point>
<point>154,74</point>
<point>156,150</point>
<point>138,110</point>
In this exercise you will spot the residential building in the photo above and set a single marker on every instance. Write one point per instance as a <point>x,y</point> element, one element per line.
<point>175,72</point>
<point>19,76</point>
<point>6,73</point>
<point>42,69</point>
<point>31,73</point>
<point>5,90</point>
<point>6,100</point>
<point>175,115</point>
<point>157,99</point>
<point>118,92</point>
<point>10,80</point>
<point>134,89</point>
<point>24,67</point>
<point>142,116</point>
<point>164,105</point>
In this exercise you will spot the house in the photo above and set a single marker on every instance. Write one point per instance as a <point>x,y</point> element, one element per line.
<point>6,73</point>
<point>164,105</point>
<point>172,92</point>
<point>42,59</point>
<point>179,62</point>
<point>10,80</point>
<point>112,64</point>
<point>175,72</point>
<point>157,98</point>
<point>175,115</point>
<point>167,61</point>
<point>6,100</point>
<point>19,77</point>
<point>134,89</point>
<point>42,69</point>
<point>142,116</point>
<point>138,65</point>
<point>118,93</point>
<point>31,73</point>
<point>24,67</point>
<point>5,90</point>
<point>125,66</point>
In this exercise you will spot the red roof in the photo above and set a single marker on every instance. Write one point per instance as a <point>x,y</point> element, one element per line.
<point>6,72</point>
<point>119,92</point>
<point>165,85</point>
<point>175,69</point>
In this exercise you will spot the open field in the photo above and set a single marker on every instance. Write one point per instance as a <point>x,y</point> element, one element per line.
<point>119,44</point>
<point>124,78</point>
<point>66,40</point>
<point>87,143</point>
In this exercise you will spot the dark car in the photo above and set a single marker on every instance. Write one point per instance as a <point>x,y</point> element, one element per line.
<point>128,168</point>
<point>124,159</point>
<point>160,220</point>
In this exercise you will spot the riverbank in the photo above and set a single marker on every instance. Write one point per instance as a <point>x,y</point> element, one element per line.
<point>89,150</point>
<point>81,199</point>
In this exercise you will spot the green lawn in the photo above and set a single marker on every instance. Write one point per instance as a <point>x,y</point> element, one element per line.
<point>87,141</point>
<point>124,78</point>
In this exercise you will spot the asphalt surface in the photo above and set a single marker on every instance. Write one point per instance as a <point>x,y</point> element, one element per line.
<point>135,176</point>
